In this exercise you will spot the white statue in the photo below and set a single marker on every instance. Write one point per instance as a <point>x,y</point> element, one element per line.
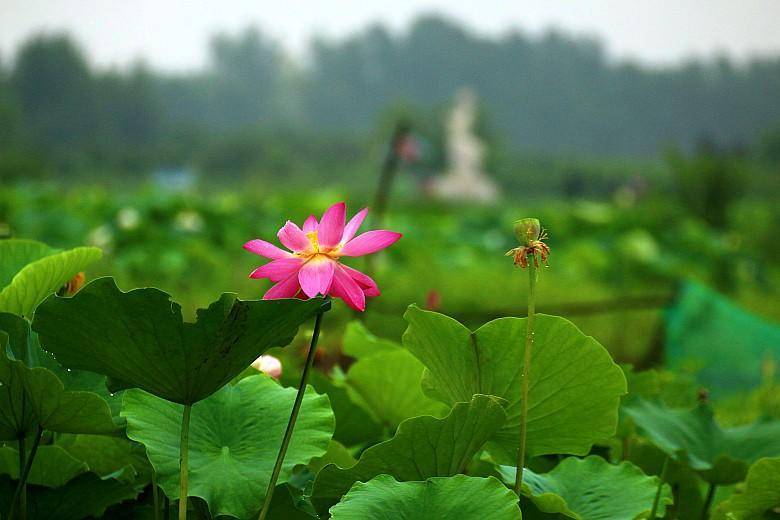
<point>465,178</point>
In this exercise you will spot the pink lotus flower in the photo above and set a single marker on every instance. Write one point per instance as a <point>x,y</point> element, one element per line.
<point>314,266</point>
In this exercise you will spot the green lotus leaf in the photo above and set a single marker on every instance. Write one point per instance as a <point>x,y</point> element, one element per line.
<point>692,437</point>
<point>32,398</point>
<point>462,497</point>
<point>422,447</point>
<point>83,380</point>
<point>574,391</point>
<point>646,383</point>
<point>337,454</point>
<point>52,466</point>
<point>591,489</point>
<point>86,496</point>
<point>389,383</point>
<point>385,379</point>
<point>355,424</point>
<point>233,440</point>
<point>139,339</point>
<point>359,342</point>
<point>689,492</point>
<point>31,271</point>
<point>760,495</point>
<point>106,455</point>
<point>80,380</point>
<point>284,506</point>
<point>16,253</point>
<point>25,347</point>
<point>21,344</point>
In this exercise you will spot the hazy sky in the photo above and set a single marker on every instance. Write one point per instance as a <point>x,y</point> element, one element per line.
<point>172,34</point>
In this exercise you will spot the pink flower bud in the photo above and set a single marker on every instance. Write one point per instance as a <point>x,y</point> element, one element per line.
<point>268,365</point>
<point>433,300</point>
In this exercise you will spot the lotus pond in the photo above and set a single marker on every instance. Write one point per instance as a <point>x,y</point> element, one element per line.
<point>318,384</point>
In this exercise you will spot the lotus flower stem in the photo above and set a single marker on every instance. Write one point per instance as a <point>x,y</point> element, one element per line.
<point>23,496</point>
<point>156,496</point>
<point>705,510</point>
<point>388,171</point>
<point>184,454</point>
<point>384,189</point>
<point>529,342</point>
<point>661,481</point>
<point>23,474</point>
<point>293,417</point>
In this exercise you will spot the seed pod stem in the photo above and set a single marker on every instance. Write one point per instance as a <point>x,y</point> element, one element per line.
<point>529,342</point>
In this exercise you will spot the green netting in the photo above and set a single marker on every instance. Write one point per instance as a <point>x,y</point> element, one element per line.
<point>723,344</point>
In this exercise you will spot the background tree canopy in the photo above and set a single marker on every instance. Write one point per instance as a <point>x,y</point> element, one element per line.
<point>550,94</point>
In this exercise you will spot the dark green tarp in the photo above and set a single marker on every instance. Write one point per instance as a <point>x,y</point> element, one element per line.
<point>725,345</point>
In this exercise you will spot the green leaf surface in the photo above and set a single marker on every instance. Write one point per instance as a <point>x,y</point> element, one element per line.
<point>574,391</point>
<point>646,383</point>
<point>31,271</point>
<point>760,494</point>
<point>359,342</point>
<point>106,455</point>
<point>283,506</point>
<point>234,437</point>
<point>422,447</point>
<point>591,489</point>
<point>25,347</point>
<point>21,344</point>
<point>139,339</point>
<point>86,496</point>
<point>689,490</point>
<point>389,383</point>
<point>439,498</point>
<point>720,455</point>
<point>355,424</point>
<point>337,454</point>
<point>16,253</point>
<point>35,397</point>
<point>385,379</point>
<point>52,466</point>
<point>84,381</point>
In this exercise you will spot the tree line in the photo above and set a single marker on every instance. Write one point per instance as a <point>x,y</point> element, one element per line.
<point>553,94</point>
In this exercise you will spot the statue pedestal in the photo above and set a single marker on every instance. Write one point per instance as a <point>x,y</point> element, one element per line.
<point>454,186</point>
